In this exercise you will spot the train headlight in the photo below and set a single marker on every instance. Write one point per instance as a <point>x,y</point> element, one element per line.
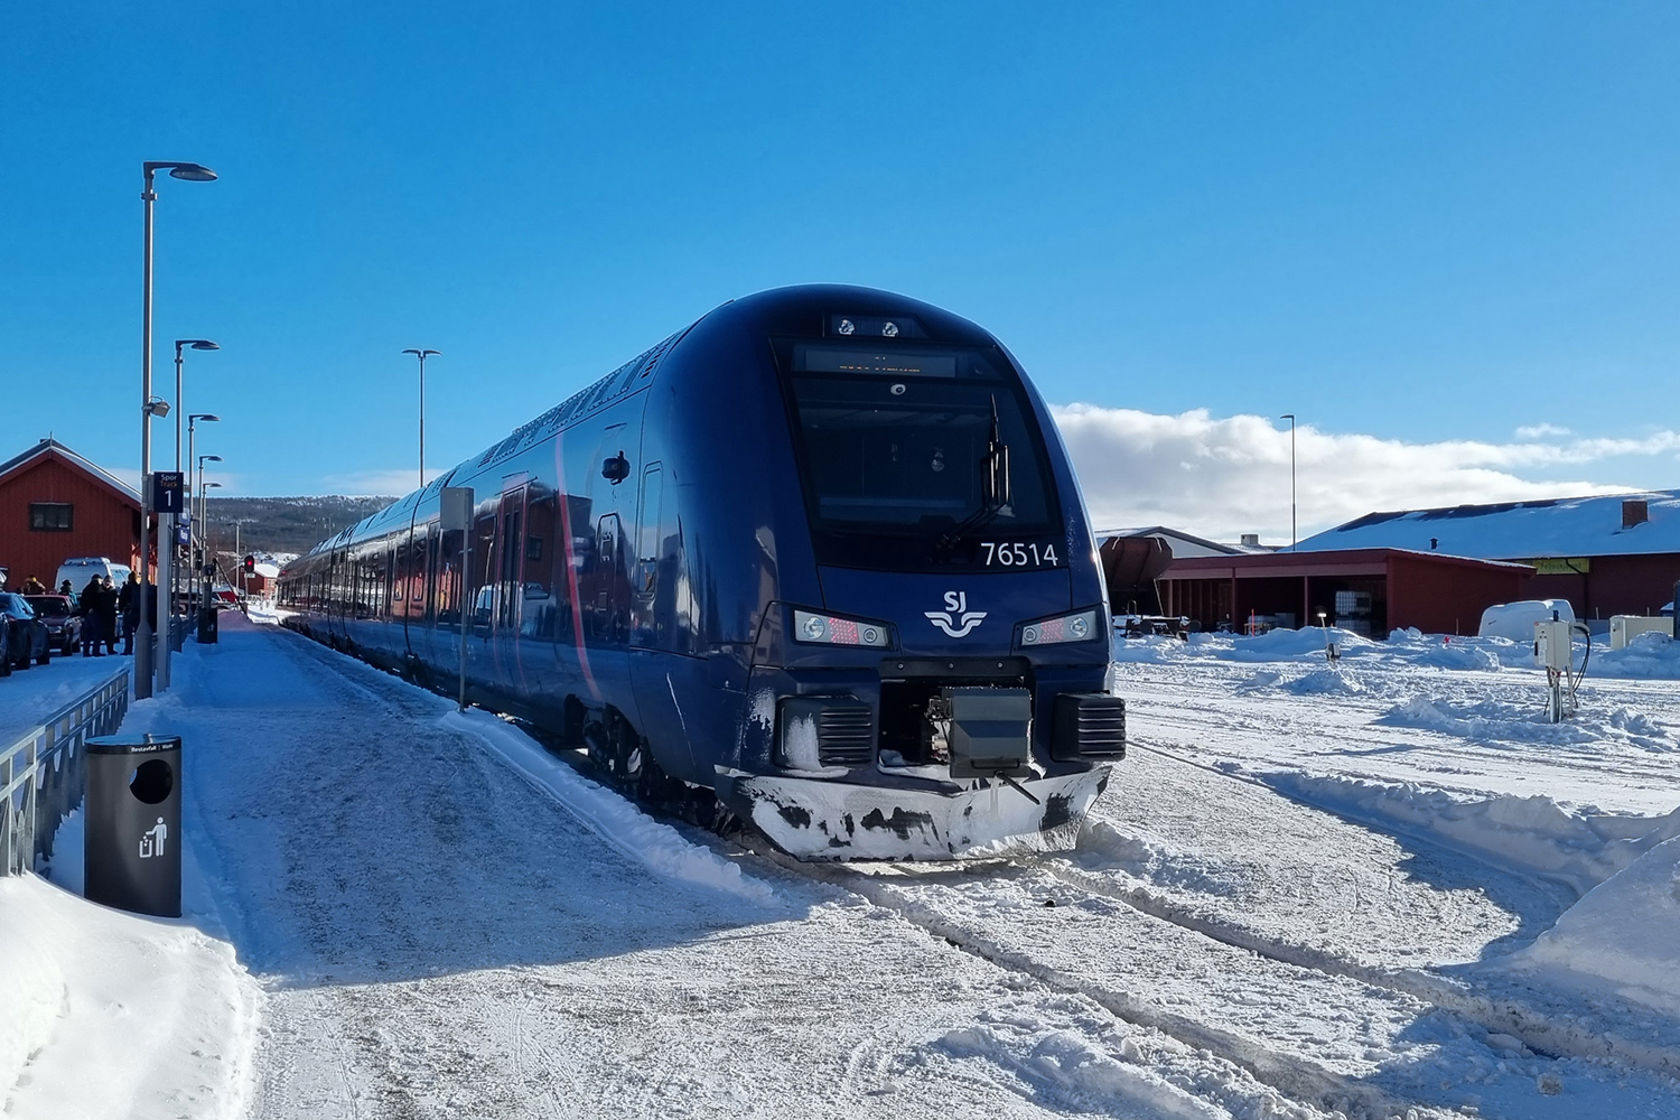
<point>824,629</point>
<point>1078,627</point>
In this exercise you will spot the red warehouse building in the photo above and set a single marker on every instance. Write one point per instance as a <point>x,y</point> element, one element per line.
<point>55,505</point>
<point>1367,590</point>
<point>1607,554</point>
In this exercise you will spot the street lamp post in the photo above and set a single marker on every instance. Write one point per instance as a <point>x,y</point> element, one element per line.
<point>209,583</point>
<point>195,504</point>
<point>168,530</point>
<point>196,173</point>
<point>1290,416</point>
<point>422,355</point>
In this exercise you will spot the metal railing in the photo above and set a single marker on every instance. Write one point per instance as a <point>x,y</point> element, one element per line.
<point>41,773</point>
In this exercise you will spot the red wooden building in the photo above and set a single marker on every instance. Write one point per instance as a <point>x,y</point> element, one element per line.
<point>1367,590</point>
<point>55,505</point>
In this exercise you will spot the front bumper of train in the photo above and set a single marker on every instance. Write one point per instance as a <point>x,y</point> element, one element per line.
<point>816,819</point>
<point>1017,765</point>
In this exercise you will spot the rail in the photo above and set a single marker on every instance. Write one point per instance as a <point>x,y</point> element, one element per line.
<point>41,773</point>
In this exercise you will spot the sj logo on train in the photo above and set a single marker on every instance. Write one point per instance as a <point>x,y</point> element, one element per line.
<point>956,620</point>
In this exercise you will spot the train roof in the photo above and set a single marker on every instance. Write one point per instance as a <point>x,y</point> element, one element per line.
<point>808,310</point>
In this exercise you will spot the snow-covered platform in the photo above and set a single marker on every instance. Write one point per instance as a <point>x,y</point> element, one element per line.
<point>1296,900</point>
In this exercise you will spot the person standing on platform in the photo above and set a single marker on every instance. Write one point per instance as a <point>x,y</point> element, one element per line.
<point>128,602</point>
<point>108,614</point>
<point>91,618</point>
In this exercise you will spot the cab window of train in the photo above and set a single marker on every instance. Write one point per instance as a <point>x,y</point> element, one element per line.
<point>895,444</point>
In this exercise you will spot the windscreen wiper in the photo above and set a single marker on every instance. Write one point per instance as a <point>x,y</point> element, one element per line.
<point>994,487</point>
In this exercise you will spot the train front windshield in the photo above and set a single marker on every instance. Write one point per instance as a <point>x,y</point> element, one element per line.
<point>923,455</point>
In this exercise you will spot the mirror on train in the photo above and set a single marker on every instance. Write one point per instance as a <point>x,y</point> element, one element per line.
<point>616,469</point>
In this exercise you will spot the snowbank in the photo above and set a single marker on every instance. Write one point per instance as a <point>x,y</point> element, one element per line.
<point>1653,656</point>
<point>653,844</point>
<point>1578,848</point>
<point>1622,934</point>
<point>1308,645</point>
<point>110,1014</point>
<point>1499,721</point>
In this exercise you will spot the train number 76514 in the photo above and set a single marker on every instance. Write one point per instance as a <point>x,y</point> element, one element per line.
<point>1014,554</point>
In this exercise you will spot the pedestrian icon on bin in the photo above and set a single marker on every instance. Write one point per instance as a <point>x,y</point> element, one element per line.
<point>151,841</point>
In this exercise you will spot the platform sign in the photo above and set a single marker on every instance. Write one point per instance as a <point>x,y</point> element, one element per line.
<point>455,508</point>
<point>167,492</point>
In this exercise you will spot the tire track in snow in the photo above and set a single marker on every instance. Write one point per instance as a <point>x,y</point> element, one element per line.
<point>1292,1076</point>
<point>1538,1030</point>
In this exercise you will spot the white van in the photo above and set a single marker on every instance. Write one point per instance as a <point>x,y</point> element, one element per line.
<point>78,570</point>
<point>1516,620</point>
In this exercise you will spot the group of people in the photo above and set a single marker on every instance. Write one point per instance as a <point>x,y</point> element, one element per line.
<point>101,606</point>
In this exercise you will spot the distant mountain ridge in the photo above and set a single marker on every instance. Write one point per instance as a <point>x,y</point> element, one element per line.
<point>271,525</point>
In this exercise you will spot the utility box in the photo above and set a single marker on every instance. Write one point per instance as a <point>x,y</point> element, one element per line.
<point>1552,644</point>
<point>1626,627</point>
<point>132,850</point>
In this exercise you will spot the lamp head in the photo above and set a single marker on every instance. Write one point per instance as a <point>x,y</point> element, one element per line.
<point>209,485</point>
<point>203,459</point>
<point>422,353</point>
<point>204,416</point>
<point>195,344</point>
<point>157,406</point>
<point>192,172</point>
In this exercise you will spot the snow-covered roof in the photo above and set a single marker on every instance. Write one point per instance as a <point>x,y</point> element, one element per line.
<point>49,444</point>
<point>1589,526</point>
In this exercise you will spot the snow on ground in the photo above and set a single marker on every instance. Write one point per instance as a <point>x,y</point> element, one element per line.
<point>30,696</point>
<point>111,1015</point>
<point>444,925</point>
<point>1443,746</point>
<point>1379,886</point>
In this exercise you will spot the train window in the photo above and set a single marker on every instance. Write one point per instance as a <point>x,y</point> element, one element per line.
<point>648,530</point>
<point>482,588</point>
<point>894,459</point>
<point>417,565</point>
<point>539,606</point>
<point>447,592</point>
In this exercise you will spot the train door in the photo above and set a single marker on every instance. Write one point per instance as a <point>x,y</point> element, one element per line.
<point>611,599</point>
<point>644,622</point>
<point>510,569</point>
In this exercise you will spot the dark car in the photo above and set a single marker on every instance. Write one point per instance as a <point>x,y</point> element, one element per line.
<point>64,625</point>
<point>26,636</point>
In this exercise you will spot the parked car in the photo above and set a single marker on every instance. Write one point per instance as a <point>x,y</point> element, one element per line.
<point>64,625</point>
<point>26,636</point>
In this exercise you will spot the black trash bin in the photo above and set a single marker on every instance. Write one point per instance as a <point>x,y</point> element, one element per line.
<point>132,857</point>
<point>207,625</point>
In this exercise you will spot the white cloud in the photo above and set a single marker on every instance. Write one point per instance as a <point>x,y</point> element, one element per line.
<point>1220,478</point>
<point>377,483</point>
<point>1541,431</point>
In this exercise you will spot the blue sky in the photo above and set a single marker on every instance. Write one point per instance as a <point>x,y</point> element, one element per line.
<point>1419,227</point>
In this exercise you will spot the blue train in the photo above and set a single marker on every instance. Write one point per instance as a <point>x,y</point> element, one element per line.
<point>819,556</point>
